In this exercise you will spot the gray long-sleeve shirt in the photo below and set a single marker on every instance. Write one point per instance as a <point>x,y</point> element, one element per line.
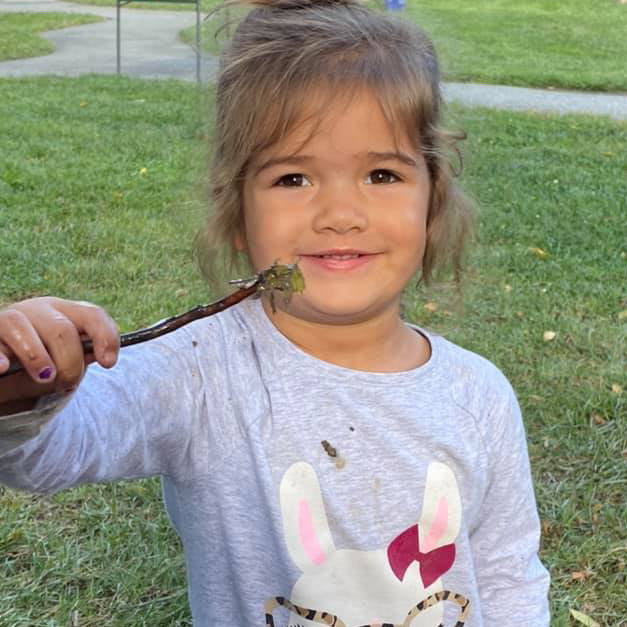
<point>354,493</point>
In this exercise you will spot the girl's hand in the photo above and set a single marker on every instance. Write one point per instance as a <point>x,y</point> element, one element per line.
<point>45,335</point>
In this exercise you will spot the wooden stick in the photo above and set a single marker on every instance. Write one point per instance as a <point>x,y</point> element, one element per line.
<point>277,278</point>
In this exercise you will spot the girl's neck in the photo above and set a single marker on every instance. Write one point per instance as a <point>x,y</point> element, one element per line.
<point>380,344</point>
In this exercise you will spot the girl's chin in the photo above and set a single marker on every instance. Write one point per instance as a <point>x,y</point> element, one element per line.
<point>335,311</point>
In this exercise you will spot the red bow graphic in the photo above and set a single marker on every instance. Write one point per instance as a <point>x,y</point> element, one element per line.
<point>405,549</point>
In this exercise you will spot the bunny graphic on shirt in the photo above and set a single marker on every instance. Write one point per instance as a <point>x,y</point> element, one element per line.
<point>396,586</point>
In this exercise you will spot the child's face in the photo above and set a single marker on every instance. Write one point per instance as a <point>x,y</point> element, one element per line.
<point>349,204</point>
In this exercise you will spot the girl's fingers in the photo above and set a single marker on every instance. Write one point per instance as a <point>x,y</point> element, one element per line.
<point>62,341</point>
<point>20,339</point>
<point>45,335</point>
<point>62,325</point>
<point>94,322</point>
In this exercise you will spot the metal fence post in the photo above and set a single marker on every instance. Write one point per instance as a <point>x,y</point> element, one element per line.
<point>117,40</point>
<point>198,41</point>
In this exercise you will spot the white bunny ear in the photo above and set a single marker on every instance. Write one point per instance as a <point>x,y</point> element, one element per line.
<point>441,510</point>
<point>305,525</point>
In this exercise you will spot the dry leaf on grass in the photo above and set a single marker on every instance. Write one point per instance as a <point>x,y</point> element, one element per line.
<point>584,619</point>
<point>538,252</point>
<point>549,336</point>
<point>617,389</point>
<point>431,306</point>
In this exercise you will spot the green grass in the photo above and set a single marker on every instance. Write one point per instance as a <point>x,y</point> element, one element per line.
<point>98,173</point>
<point>542,43</point>
<point>19,32</point>
<point>79,219</point>
<point>539,43</point>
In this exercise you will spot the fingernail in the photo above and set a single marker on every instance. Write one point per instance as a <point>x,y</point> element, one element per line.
<point>46,373</point>
<point>110,357</point>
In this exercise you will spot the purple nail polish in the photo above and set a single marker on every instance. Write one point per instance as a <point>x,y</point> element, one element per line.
<point>46,373</point>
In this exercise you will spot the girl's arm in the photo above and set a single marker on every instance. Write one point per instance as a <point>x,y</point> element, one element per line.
<point>513,584</point>
<point>130,421</point>
<point>139,419</point>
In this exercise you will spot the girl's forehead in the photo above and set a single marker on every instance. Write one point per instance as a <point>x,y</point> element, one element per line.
<point>324,112</point>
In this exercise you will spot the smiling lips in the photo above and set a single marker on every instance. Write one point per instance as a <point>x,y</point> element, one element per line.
<point>339,259</point>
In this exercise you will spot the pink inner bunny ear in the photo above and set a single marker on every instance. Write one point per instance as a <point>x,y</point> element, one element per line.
<point>438,526</point>
<point>307,534</point>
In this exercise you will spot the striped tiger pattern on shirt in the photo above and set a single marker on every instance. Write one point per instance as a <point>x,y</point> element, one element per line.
<point>324,618</point>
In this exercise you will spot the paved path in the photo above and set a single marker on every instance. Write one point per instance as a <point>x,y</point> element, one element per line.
<point>151,49</point>
<point>542,100</point>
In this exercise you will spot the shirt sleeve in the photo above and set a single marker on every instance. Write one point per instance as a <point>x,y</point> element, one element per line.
<point>513,583</point>
<point>139,419</point>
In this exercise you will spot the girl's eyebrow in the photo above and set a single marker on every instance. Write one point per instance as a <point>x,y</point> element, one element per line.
<point>301,159</point>
<point>393,156</point>
<point>288,160</point>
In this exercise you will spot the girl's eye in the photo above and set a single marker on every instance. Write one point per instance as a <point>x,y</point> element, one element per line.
<point>293,180</point>
<point>382,176</point>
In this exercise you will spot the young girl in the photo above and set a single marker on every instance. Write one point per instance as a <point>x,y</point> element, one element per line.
<point>328,463</point>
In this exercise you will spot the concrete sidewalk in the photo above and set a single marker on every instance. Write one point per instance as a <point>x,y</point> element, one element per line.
<point>151,49</point>
<point>540,100</point>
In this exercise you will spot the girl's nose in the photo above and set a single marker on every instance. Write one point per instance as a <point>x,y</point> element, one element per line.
<point>341,209</point>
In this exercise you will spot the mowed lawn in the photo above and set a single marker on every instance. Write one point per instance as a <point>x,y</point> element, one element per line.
<point>20,32</point>
<point>101,194</point>
<point>577,44</point>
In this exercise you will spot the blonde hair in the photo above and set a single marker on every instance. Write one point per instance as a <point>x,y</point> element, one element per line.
<point>279,54</point>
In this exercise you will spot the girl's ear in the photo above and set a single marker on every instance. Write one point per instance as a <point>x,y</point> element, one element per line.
<point>305,526</point>
<point>441,510</point>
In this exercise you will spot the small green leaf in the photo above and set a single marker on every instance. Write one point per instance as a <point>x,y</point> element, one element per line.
<point>584,619</point>
<point>298,280</point>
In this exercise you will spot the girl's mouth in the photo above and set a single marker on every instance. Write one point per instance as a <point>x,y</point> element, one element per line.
<point>339,260</point>
<point>353,256</point>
